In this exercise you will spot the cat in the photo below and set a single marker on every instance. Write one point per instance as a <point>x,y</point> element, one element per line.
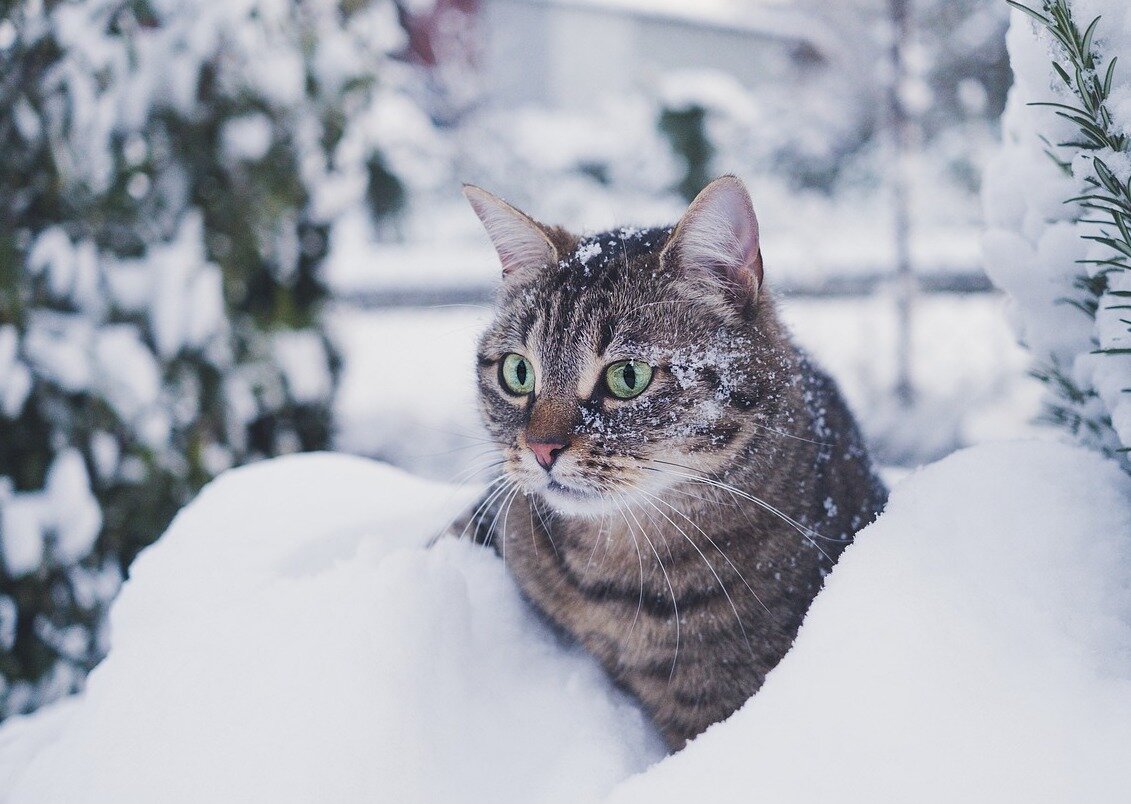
<point>677,476</point>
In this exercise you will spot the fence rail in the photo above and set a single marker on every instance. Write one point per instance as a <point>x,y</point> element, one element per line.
<point>833,287</point>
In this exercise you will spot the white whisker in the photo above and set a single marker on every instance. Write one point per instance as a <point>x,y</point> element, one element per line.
<point>710,567</point>
<point>640,560</point>
<point>671,589</point>
<point>809,534</point>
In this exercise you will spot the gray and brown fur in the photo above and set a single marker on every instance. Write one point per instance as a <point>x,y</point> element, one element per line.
<point>656,559</point>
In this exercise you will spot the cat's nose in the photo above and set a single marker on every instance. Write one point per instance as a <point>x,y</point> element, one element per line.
<point>546,452</point>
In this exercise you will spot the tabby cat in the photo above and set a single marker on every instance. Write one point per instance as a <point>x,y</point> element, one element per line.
<point>677,476</point>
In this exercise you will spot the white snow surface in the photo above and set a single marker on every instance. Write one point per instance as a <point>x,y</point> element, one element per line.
<point>973,645</point>
<point>62,521</point>
<point>290,638</point>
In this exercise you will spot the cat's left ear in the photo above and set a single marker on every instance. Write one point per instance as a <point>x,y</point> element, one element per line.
<point>521,242</point>
<point>718,237</point>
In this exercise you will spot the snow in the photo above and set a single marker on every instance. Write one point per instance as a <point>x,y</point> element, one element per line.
<point>60,522</point>
<point>128,373</point>
<point>8,621</point>
<point>302,358</point>
<point>327,656</point>
<point>587,251</point>
<point>75,516</point>
<point>1035,247</point>
<point>974,644</point>
<point>412,402</point>
<point>15,377</point>
<point>56,346</point>
<point>122,346</point>
<point>21,534</point>
<point>292,637</point>
<point>179,272</point>
<point>247,138</point>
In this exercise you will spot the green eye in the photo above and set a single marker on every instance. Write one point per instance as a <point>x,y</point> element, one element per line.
<point>628,378</point>
<point>516,374</point>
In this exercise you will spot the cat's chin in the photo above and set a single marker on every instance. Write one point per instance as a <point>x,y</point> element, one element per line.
<point>575,502</point>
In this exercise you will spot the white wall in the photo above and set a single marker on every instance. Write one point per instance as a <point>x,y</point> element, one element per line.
<point>563,53</point>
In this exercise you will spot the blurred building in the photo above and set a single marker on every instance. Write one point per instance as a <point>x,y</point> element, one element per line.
<point>561,52</point>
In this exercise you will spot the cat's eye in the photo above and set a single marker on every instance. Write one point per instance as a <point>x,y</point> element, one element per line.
<point>516,374</point>
<point>628,378</point>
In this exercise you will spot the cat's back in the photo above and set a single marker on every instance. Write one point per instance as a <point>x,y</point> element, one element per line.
<point>847,492</point>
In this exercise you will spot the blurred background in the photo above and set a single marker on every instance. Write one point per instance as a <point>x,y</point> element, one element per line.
<point>233,230</point>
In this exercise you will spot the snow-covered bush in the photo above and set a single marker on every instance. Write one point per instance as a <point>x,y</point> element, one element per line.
<point>170,175</point>
<point>567,162</point>
<point>1058,204</point>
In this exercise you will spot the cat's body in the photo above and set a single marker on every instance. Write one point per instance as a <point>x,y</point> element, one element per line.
<point>681,533</point>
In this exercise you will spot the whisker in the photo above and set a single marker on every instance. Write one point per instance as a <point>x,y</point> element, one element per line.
<point>596,543</point>
<point>464,476</point>
<point>509,504</point>
<point>671,589</point>
<point>685,493</point>
<point>714,544</point>
<point>711,567</point>
<point>784,434</point>
<point>533,533</point>
<point>688,302</point>
<point>447,526</point>
<point>503,484</point>
<point>640,560</point>
<point>457,305</point>
<point>545,528</point>
<point>808,533</point>
<point>512,490</point>
<point>470,435</point>
<point>443,452</point>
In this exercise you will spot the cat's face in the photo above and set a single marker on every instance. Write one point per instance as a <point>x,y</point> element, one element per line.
<point>617,367</point>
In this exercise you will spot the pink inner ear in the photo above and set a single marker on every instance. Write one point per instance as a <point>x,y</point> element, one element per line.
<point>742,221</point>
<point>746,231</point>
<point>517,239</point>
<point>719,233</point>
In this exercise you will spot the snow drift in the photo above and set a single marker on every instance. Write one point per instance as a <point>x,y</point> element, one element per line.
<point>292,639</point>
<point>975,644</point>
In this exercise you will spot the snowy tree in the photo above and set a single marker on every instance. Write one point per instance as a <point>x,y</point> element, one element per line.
<point>171,174</point>
<point>1058,200</point>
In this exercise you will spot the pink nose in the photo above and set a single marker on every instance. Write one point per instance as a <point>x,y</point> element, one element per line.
<point>546,452</point>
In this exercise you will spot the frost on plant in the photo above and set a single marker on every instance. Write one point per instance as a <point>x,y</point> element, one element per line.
<point>170,176</point>
<point>1058,200</point>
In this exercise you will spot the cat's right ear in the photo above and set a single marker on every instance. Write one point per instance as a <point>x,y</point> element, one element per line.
<point>521,242</point>
<point>718,238</point>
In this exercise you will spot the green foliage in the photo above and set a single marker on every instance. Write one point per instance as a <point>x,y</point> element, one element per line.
<point>1089,82</point>
<point>686,130</point>
<point>151,274</point>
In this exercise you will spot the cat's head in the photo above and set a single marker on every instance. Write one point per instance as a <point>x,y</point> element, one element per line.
<point>619,363</point>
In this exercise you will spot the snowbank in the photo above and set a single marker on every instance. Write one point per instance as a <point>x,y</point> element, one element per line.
<point>974,645</point>
<point>290,639</point>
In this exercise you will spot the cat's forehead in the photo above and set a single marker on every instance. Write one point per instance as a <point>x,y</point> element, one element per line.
<point>602,252</point>
<point>611,295</point>
<point>594,294</point>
